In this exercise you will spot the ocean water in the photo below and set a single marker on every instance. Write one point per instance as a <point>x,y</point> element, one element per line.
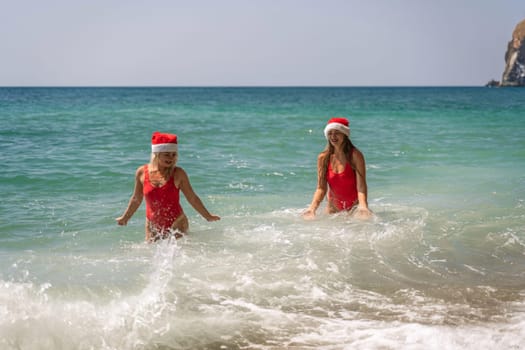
<point>440,266</point>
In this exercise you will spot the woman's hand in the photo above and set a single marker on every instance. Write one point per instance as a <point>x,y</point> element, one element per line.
<point>122,221</point>
<point>361,213</point>
<point>308,214</point>
<point>213,218</point>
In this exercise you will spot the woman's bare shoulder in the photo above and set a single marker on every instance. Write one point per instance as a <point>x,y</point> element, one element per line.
<point>322,155</point>
<point>139,173</point>
<point>179,173</point>
<point>357,154</point>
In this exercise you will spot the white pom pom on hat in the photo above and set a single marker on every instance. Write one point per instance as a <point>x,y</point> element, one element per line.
<point>339,124</point>
<point>163,142</point>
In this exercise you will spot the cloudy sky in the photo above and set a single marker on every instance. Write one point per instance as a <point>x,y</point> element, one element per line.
<point>255,42</point>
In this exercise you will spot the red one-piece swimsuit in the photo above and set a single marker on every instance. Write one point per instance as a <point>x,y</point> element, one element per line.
<point>162,203</point>
<point>343,187</point>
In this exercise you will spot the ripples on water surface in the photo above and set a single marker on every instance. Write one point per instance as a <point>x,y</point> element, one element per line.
<point>441,266</point>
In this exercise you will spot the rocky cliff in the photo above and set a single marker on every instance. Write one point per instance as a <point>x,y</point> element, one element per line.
<point>514,73</point>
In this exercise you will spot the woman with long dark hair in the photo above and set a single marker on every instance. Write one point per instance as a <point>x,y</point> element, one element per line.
<point>341,173</point>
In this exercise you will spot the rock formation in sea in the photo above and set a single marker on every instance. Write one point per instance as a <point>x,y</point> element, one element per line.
<point>514,73</point>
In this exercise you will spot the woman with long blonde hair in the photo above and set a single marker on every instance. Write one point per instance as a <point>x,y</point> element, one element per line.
<point>160,183</point>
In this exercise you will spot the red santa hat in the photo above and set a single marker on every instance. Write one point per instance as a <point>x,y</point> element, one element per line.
<point>339,124</point>
<point>162,142</point>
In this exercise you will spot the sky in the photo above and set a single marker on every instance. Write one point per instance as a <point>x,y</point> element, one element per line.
<point>255,42</point>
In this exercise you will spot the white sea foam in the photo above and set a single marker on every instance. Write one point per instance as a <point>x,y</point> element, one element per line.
<point>340,283</point>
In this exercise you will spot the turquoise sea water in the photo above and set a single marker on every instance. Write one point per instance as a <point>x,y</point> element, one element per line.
<point>441,266</point>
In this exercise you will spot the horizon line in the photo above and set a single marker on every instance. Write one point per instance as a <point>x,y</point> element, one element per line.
<point>238,86</point>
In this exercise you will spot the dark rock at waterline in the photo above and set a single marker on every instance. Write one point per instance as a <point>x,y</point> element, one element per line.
<point>514,73</point>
